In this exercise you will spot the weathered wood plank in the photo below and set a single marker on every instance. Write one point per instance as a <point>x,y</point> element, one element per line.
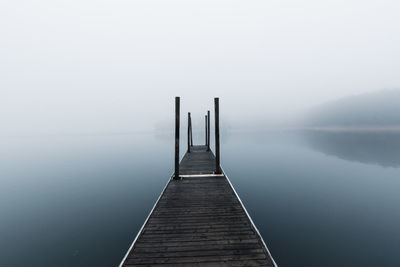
<point>200,244</point>
<point>196,259</point>
<point>196,248</point>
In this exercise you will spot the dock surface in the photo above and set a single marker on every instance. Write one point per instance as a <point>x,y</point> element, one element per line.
<point>198,221</point>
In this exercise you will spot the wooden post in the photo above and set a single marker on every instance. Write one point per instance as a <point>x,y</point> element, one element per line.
<point>205,133</point>
<point>188,134</point>
<point>208,130</point>
<point>177,111</point>
<point>217,152</point>
<point>191,131</point>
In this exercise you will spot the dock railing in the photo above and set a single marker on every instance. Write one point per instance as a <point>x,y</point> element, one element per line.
<point>190,135</point>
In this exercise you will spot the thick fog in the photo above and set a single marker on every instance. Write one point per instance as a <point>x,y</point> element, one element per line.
<point>116,66</point>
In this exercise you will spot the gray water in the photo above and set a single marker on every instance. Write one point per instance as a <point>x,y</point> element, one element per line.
<point>318,198</point>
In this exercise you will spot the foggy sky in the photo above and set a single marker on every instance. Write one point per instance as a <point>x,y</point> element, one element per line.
<point>115,66</point>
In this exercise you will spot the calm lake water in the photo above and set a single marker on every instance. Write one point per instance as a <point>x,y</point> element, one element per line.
<point>318,198</point>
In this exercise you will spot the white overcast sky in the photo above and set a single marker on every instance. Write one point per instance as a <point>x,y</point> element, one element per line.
<point>111,66</point>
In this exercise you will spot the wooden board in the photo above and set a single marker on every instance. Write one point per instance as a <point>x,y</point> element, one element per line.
<point>198,221</point>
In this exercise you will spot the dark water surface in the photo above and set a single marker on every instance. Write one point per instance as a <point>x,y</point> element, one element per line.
<point>318,198</point>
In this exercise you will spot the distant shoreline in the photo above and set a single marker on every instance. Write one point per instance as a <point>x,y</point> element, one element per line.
<point>354,129</point>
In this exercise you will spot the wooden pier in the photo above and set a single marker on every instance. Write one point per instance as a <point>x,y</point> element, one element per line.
<point>198,220</point>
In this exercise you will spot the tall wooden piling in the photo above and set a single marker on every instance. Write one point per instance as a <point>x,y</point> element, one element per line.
<point>217,151</point>
<point>205,133</point>
<point>188,133</point>
<point>208,130</point>
<point>177,111</point>
<point>191,131</point>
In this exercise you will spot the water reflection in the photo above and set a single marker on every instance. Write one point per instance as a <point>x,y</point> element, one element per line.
<point>380,147</point>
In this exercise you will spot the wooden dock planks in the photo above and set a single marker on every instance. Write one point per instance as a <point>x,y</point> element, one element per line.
<point>198,221</point>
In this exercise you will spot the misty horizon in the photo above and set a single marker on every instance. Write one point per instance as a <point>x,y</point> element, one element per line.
<point>299,120</point>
